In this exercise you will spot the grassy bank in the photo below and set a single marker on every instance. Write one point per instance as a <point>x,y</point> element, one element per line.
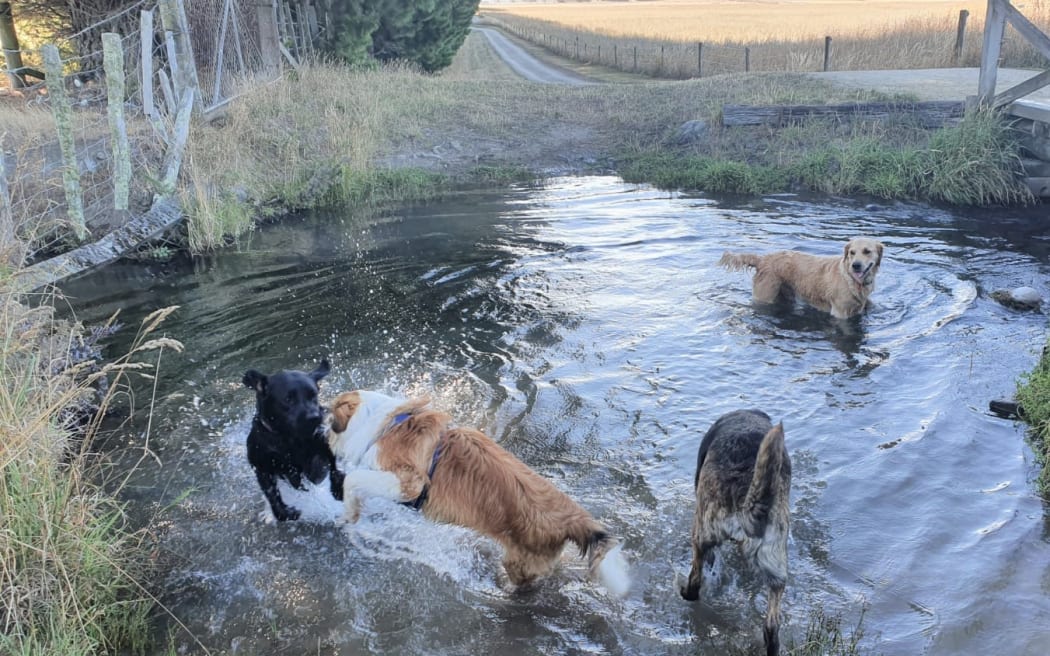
<point>1033,394</point>
<point>974,163</point>
<point>71,569</point>
<point>333,136</point>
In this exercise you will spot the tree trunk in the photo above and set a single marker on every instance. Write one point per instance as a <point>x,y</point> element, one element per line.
<point>9,42</point>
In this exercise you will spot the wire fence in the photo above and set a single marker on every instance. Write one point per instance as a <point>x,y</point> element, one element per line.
<point>101,138</point>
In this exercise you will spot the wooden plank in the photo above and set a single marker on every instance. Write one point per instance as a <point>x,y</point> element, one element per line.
<point>929,114</point>
<point>1028,30</point>
<point>994,23</point>
<point>1021,90</point>
<point>146,45</point>
<point>164,214</point>
<point>1030,109</point>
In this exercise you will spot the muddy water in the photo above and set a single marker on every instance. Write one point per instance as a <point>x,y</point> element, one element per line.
<point>586,327</point>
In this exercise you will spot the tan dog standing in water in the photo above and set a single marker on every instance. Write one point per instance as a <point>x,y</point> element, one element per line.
<point>839,285</point>
<point>403,450</point>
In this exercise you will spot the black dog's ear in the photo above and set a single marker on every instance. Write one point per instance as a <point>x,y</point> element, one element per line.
<point>321,371</point>
<point>255,380</point>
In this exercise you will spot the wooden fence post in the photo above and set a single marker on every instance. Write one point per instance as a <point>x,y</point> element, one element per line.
<point>63,113</point>
<point>219,63</point>
<point>173,15</point>
<point>178,144</point>
<point>616,63</point>
<point>265,18</point>
<point>635,59</point>
<point>8,235</point>
<point>113,62</point>
<point>146,46</point>
<point>700,59</point>
<point>959,36</point>
<point>827,52</point>
<point>994,24</point>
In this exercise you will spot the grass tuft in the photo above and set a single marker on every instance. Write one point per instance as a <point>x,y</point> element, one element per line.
<point>1033,394</point>
<point>70,566</point>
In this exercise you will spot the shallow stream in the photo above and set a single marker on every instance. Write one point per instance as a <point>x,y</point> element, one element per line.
<point>585,325</point>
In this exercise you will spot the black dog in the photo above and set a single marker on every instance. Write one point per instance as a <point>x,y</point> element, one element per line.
<point>287,440</point>
<point>743,480</point>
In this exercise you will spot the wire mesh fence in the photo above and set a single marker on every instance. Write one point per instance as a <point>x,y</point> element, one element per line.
<point>69,142</point>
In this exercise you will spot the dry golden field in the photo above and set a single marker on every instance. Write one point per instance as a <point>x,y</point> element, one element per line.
<point>743,20</point>
<point>661,37</point>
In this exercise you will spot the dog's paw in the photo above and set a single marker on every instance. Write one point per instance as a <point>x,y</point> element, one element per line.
<point>266,516</point>
<point>287,513</point>
<point>689,594</point>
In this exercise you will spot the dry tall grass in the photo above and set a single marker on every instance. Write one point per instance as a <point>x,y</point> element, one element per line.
<point>70,568</point>
<point>661,38</point>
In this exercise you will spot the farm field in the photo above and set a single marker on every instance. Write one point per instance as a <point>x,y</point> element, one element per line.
<point>743,20</point>
<point>663,38</point>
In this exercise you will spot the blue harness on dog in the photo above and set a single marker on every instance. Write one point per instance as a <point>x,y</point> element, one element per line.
<point>422,498</point>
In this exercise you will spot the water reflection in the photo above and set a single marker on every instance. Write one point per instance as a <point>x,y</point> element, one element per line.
<point>586,326</point>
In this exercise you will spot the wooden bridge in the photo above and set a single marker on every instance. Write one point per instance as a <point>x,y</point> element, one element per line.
<point>1033,115</point>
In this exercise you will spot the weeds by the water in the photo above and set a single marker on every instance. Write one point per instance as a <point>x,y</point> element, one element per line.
<point>1033,395</point>
<point>973,163</point>
<point>70,567</point>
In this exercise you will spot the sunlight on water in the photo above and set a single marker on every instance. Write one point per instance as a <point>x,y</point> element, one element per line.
<point>585,325</point>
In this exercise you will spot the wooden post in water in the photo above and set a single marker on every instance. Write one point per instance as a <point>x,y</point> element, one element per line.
<point>700,59</point>
<point>635,59</point>
<point>827,52</point>
<point>616,64</point>
<point>113,62</point>
<point>63,113</point>
<point>660,70</point>
<point>747,59</point>
<point>959,36</point>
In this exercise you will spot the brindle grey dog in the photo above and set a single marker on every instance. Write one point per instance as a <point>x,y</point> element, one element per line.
<point>743,480</point>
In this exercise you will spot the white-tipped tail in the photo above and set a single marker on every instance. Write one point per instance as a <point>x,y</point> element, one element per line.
<point>614,573</point>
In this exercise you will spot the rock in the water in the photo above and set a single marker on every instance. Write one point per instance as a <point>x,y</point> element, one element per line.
<point>1021,298</point>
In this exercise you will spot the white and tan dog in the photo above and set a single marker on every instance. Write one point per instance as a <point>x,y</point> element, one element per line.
<point>839,285</point>
<point>403,450</point>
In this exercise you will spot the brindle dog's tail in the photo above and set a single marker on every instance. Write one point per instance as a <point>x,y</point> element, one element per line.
<point>761,495</point>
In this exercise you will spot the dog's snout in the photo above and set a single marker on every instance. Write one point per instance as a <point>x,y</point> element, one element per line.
<point>857,266</point>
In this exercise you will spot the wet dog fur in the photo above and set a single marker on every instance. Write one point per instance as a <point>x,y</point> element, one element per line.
<point>287,440</point>
<point>387,448</point>
<point>743,481</point>
<point>839,285</point>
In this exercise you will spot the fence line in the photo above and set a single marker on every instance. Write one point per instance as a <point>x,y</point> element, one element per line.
<point>680,60</point>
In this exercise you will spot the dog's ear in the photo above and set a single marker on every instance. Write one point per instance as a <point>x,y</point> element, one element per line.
<point>878,251</point>
<point>342,410</point>
<point>321,371</point>
<point>255,380</point>
<point>845,250</point>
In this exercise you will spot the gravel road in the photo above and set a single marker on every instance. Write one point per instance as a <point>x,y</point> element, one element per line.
<point>527,66</point>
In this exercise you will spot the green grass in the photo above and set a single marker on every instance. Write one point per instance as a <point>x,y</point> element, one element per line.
<point>973,163</point>
<point>1033,394</point>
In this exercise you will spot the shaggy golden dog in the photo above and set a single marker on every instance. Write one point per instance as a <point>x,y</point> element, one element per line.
<point>405,451</point>
<point>839,285</point>
<point>743,480</point>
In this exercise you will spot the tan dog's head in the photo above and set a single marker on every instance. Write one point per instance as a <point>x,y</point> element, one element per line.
<point>861,258</point>
<point>343,408</point>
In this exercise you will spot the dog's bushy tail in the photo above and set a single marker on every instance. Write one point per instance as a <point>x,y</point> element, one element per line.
<point>769,465</point>
<point>605,560</point>
<point>739,261</point>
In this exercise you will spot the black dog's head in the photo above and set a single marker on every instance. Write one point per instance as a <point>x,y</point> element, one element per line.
<point>287,402</point>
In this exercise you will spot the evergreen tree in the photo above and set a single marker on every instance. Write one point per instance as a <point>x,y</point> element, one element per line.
<point>425,32</point>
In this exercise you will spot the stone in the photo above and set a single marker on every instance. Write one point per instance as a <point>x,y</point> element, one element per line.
<point>692,132</point>
<point>1020,298</point>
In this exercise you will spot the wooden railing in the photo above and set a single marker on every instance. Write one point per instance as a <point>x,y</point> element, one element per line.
<point>1001,12</point>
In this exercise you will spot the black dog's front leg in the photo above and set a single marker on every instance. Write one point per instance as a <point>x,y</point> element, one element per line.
<point>268,483</point>
<point>335,479</point>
